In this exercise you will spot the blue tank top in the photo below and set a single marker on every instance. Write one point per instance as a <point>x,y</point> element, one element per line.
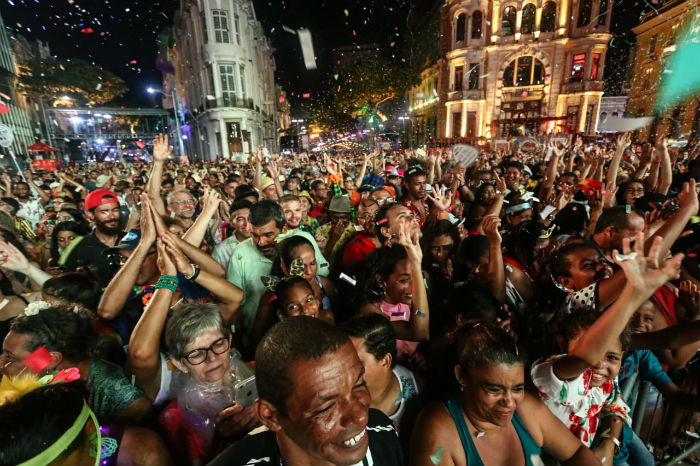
<point>530,447</point>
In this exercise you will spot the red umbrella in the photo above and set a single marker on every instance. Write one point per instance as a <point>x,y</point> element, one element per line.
<point>41,147</point>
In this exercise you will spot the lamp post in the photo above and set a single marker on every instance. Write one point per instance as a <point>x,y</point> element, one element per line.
<point>173,96</point>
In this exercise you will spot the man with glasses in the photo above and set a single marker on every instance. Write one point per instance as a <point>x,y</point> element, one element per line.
<point>181,205</point>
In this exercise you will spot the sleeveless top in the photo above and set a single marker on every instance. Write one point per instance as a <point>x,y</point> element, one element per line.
<point>325,299</point>
<point>530,448</point>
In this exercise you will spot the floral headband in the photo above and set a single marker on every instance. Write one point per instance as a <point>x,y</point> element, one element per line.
<point>296,269</point>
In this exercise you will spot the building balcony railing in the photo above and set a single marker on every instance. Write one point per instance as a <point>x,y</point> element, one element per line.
<point>467,94</point>
<point>229,102</point>
<point>533,92</point>
<point>582,86</point>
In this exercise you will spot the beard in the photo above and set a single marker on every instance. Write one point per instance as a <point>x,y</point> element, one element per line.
<point>270,252</point>
<point>108,229</point>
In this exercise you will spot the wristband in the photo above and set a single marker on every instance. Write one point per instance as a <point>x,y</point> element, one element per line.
<point>606,435</point>
<point>195,273</point>
<point>442,214</point>
<point>168,282</point>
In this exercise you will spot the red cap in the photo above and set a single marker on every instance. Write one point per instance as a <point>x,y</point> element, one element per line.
<point>99,197</point>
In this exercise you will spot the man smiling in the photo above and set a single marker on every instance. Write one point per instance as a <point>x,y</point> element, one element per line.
<point>314,403</point>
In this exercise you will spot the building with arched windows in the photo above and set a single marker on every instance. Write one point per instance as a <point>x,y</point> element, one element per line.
<point>514,63</point>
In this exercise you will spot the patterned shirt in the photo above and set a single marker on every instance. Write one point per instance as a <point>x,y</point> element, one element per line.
<point>575,402</point>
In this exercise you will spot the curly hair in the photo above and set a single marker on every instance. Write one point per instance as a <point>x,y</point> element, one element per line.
<point>61,329</point>
<point>379,266</point>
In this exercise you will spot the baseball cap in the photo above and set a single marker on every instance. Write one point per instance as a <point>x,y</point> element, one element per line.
<point>99,197</point>
<point>245,190</point>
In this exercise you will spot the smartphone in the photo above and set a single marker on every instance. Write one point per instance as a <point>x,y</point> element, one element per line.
<point>246,392</point>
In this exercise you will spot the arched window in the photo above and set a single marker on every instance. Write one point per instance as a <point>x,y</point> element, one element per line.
<point>584,12</point>
<point>549,17</point>
<point>527,26</point>
<point>508,21</point>
<point>476,25</point>
<point>523,71</point>
<point>461,27</point>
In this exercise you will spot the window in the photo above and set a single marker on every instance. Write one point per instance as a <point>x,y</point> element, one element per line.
<point>476,25</point>
<point>577,64</point>
<point>572,118</point>
<point>527,26</point>
<point>459,78</point>
<point>524,71</point>
<point>590,119</point>
<point>456,124</point>
<point>205,36</point>
<point>595,67</point>
<point>549,17</point>
<point>228,84</point>
<point>603,13</point>
<point>508,22</point>
<point>652,45</point>
<point>460,27</point>
<point>584,12</point>
<point>471,124</point>
<point>234,137</point>
<point>241,72</point>
<point>220,18</point>
<point>237,25</point>
<point>473,76</point>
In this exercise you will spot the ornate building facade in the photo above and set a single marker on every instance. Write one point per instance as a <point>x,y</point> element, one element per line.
<point>657,35</point>
<point>536,64</point>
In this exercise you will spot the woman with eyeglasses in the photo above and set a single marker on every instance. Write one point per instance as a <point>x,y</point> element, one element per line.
<point>200,373</point>
<point>630,191</point>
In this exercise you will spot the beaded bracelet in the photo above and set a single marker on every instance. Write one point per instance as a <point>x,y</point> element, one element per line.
<point>168,282</point>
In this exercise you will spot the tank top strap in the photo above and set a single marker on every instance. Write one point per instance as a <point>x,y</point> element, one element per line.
<point>530,447</point>
<point>470,451</point>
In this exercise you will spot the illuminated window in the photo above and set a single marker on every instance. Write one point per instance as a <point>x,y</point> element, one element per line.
<point>476,25</point>
<point>549,17</point>
<point>461,27</point>
<point>527,25</point>
<point>577,64</point>
<point>459,78</point>
<point>473,76</point>
<point>508,22</point>
<point>595,67</point>
<point>652,44</point>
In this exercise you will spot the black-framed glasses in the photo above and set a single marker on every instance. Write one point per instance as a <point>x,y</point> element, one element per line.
<point>199,355</point>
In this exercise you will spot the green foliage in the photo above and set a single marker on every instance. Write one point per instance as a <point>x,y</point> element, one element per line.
<point>85,83</point>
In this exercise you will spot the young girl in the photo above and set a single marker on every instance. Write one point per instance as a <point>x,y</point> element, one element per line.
<point>580,387</point>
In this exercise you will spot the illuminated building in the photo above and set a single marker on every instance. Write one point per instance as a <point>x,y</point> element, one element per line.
<point>656,41</point>
<point>511,64</point>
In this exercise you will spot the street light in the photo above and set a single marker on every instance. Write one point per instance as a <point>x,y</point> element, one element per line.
<point>180,142</point>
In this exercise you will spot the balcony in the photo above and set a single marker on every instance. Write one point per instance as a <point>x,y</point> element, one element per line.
<point>535,92</point>
<point>573,87</point>
<point>471,94</point>
<point>229,102</point>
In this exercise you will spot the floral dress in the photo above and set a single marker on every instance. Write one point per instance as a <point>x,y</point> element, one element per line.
<point>575,402</point>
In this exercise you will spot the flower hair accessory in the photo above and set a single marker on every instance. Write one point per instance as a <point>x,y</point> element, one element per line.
<point>12,388</point>
<point>296,269</point>
<point>33,309</point>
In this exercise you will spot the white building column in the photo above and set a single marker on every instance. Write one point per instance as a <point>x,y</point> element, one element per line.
<point>223,137</point>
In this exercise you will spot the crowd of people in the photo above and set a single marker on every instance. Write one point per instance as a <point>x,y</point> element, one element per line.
<point>374,308</point>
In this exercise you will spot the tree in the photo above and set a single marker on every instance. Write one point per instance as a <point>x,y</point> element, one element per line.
<point>83,82</point>
<point>369,82</point>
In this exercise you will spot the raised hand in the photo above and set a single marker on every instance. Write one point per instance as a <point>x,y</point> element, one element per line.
<point>609,194</point>
<point>689,296</point>
<point>409,238</point>
<point>442,198</point>
<point>182,262</point>
<point>11,258</point>
<point>623,140</point>
<point>501,185</point>
<point>646,273</point>
<point>147,222</point>
<point>161,149</point>
<point>688,197</point>
<point>490,224</point>
<point>165,263</point>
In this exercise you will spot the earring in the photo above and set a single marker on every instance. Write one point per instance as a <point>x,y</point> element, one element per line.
<point>461,388</point>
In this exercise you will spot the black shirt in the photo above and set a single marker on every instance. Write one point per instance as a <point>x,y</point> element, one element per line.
<point>262,448</point>
<point>90,253</point>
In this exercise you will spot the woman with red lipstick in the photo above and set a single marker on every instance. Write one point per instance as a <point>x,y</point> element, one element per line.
<point>580,387</point>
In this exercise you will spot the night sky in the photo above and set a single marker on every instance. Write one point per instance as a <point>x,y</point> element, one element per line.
<point>124,33</point>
